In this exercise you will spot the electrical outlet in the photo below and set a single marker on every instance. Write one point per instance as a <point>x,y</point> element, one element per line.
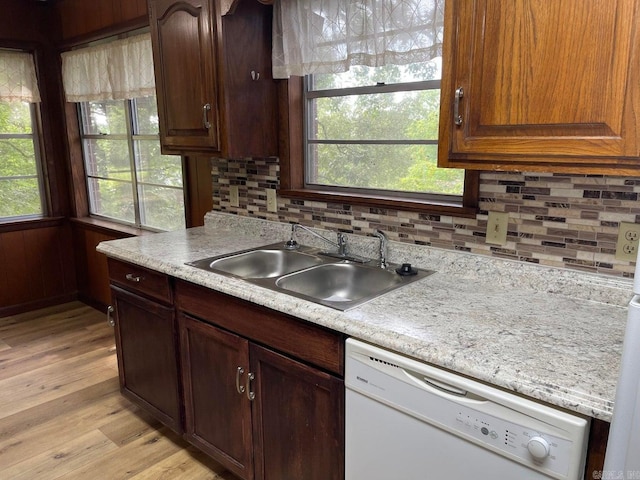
<point>497,225</point>
<point>272,200</point>
<point>234,196</point>
<point>627,246</point>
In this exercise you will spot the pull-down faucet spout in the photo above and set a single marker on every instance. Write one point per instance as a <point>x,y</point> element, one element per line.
<point>383,248</point>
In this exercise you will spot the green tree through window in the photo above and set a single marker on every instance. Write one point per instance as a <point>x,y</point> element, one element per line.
<point>377,129</point>
<point>128,178</point>
<point>20,179</point>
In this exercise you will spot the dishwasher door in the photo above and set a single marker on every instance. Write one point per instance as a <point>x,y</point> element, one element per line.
<point>411,421</point>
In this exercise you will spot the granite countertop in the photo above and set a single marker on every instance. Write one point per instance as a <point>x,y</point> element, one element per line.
<point>551,334</point>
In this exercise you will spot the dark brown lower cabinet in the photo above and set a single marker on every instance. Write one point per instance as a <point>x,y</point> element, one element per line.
<point>217,413</point>
<point>263,414</point>
<point>246,405</point>
<point>297,423</point>
<point>147,355</point>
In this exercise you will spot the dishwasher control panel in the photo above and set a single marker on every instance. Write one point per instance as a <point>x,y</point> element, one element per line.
<point>530,445</point>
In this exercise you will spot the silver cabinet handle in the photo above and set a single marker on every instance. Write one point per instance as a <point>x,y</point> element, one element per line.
<point>205,116</point>
<point>239,388</point>
<point>457,118</point>
<point>133,278</point>
<point>110,320</point>
<point>250,395</point>
<point>255,76</point>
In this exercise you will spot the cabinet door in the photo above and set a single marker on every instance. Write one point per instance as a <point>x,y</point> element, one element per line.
<point>249,91</point>
<point>147,358</point>
<point>183,35</point>
<point>298,419</point>
<point>217,408</point>
<point>546,84</point>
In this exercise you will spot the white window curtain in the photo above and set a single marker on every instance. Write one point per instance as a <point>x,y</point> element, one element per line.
<point>328,36</point>
<point>113,71</point>
<point>18,81</point>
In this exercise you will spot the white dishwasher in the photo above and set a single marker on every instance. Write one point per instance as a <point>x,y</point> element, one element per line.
<point>411,421</point>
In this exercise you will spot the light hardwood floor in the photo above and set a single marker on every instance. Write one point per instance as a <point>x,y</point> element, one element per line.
<point>62,415</point>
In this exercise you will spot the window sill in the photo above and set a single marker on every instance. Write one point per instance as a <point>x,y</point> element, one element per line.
<point>106,226</point>
<point>30,224</point>
<point>454,209</point>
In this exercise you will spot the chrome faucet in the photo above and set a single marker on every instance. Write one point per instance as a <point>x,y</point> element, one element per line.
<point>383,248</point>
<point>341,245</point>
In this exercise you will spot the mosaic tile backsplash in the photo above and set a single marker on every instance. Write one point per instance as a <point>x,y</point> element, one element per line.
<point>559,220</point>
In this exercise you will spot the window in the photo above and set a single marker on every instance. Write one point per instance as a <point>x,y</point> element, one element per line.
<point>128,179</point>
<point>376,130</point>
<point>21,189</point>
<point>369,104</point>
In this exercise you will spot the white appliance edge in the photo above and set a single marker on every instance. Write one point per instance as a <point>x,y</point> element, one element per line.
<point>622,458</point>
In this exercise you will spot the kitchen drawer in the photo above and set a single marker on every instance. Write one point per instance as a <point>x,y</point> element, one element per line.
<point>308,342</point>
<point>141,280</point>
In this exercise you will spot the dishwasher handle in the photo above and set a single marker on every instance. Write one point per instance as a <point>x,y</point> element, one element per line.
<point>443,389</point>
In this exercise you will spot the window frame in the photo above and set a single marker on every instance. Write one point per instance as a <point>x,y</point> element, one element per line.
<point>292,169</point>
<point>130,137</point>
<point>36,137</point>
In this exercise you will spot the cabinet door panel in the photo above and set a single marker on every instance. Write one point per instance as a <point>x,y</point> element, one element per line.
<point>217,416</point>
<point>544,82</point>
<point>147,356</point>
<point>183,37</point>
<point>298,419</point>
<point>249,90</point>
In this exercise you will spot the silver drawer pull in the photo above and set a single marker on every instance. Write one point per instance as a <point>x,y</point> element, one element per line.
<point>110,320</point>
<point>250,395</point>
<point>133,278</point>
<point>239,388</point>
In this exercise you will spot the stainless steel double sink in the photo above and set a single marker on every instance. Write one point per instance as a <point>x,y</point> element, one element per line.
<point>311,274</point>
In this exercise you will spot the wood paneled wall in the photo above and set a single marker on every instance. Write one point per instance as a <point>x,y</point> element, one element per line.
<point>93,275</point>
<point>36,259</point>
<point>82,18</point>
<point>36,266</point>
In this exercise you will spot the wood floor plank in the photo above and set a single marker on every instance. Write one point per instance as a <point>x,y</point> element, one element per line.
<point>41,317</point>
<point>128,428</point>
<point>47,435</point>
<point>62,459</point>
<point>132,458</point>
<point>52,381</point>
<point>43,312</point>
<point>58,408</point>
<point>186,464</point>
<point>32,355</point>
<point>46,328</point>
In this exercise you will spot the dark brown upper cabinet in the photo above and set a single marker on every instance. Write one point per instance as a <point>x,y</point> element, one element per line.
<point>541,85</point>
<point>216,95</point>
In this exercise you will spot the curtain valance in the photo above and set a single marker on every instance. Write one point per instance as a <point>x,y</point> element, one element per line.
<point>328,36</point>
<point>112,71</point>
<point>18,81</point>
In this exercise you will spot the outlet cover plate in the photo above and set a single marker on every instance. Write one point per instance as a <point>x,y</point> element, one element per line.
<point>497,225</point>
<point>234,196</point>
<point>272,201</point>
<point>627,245</point>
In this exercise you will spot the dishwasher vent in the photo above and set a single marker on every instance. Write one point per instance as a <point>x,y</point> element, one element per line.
<point>377,360</point>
